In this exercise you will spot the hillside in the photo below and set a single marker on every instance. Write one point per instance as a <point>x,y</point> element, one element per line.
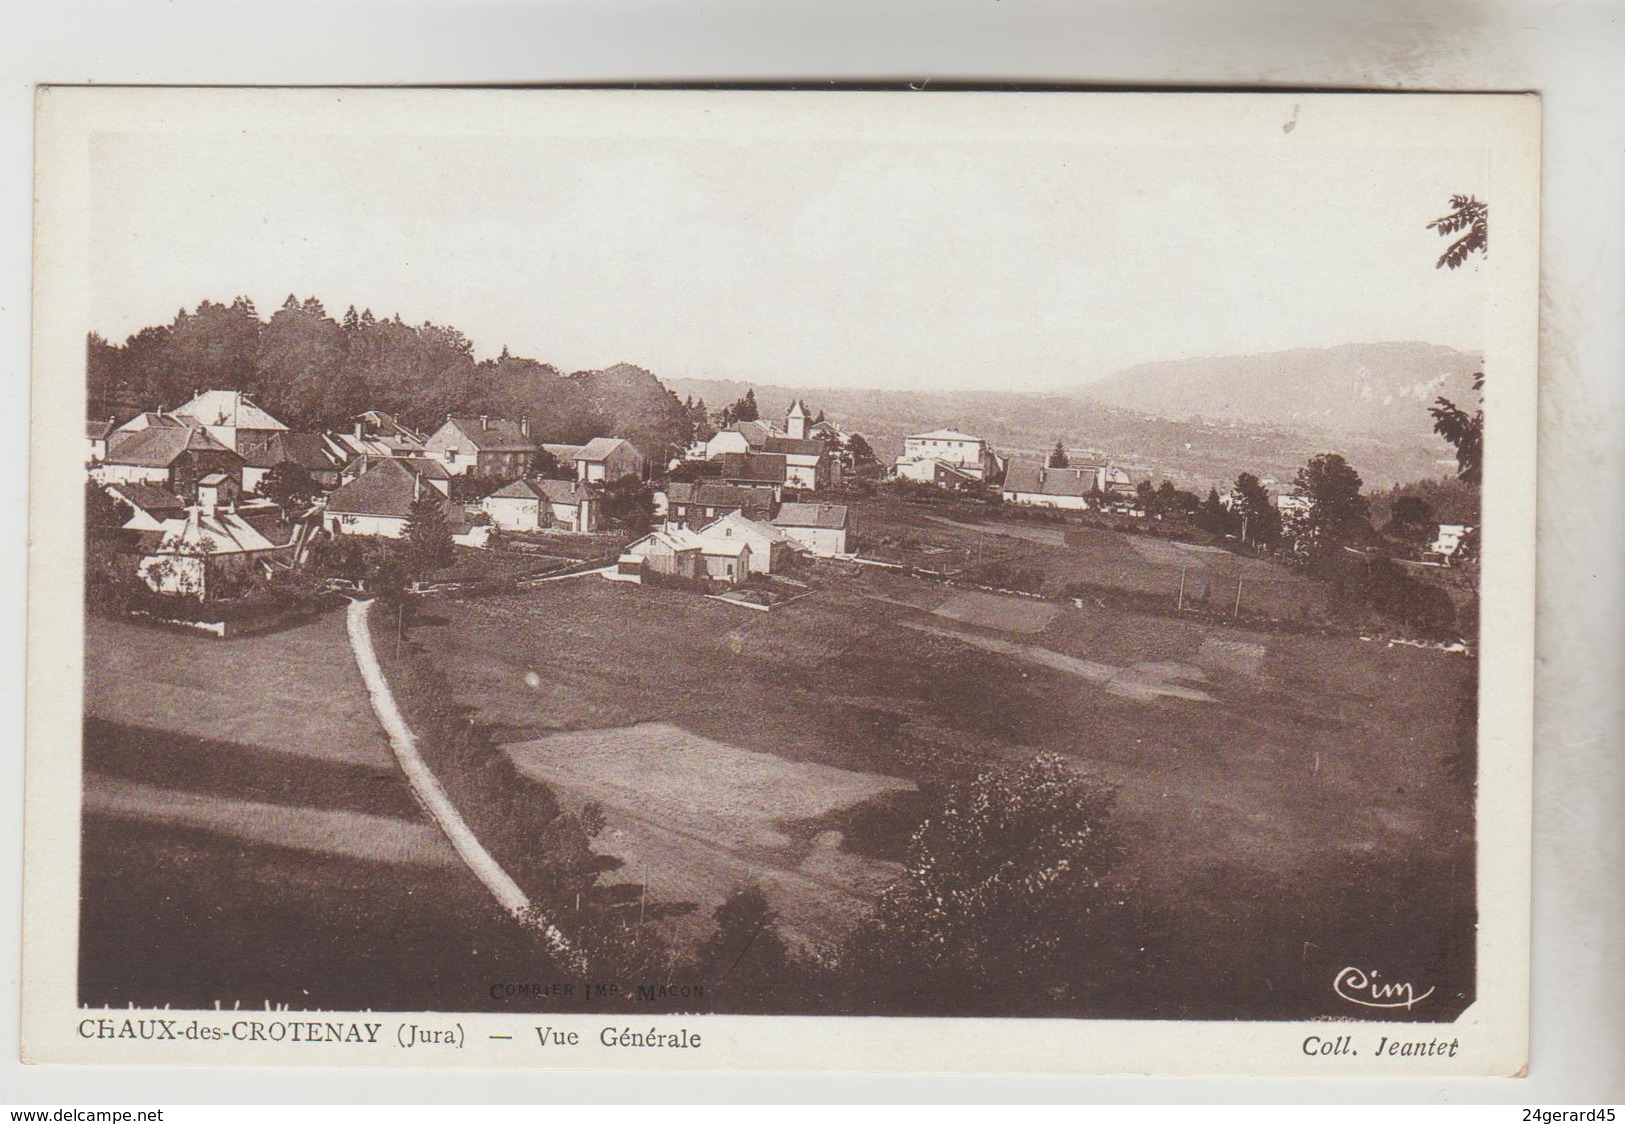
<point>1193,453</point>
<point>1366,388</point>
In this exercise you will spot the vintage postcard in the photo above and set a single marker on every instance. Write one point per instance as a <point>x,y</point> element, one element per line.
<point>706,580</point>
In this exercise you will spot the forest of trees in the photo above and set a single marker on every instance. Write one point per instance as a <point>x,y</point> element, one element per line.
<point>317,372</point>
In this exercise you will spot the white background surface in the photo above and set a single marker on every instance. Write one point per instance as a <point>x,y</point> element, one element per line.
<point>1572,52</point>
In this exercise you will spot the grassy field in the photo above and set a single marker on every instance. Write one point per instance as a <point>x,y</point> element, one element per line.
<point>248,839</point>
<point>974,538</point>
<point>1287,798</point>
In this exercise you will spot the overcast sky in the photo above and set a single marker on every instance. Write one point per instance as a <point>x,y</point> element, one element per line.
<point>861,261</point>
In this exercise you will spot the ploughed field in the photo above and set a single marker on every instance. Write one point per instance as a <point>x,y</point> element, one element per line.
<point>1288,800</point>
<point>247,838</point>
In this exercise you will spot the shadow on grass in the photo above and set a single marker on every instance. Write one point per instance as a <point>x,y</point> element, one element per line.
<point>188,918</point>
<point>168,759</point>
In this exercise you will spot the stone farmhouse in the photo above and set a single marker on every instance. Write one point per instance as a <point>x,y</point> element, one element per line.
<point>690,505</point>
<point>482,446</point>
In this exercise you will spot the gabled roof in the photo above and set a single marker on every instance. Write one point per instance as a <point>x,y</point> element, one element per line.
<point>520,489</point>
<point>765,467</point>
<point>149,418</point>
<point>721,547</point>
<point>564,454</point>
<point>307,450</point>
<point>1023,476</point>
<point>720,495</point>
<point>427,467</point>
<point>230,408</point>
<point>221,532</point>
<point>600,448</point>
<point>943,435</point>
<point>159,446</point>
<point>676,538</point>
<point>386,488</point>
<point>824,516</point>
<point>562,491</point>
<point>792,446</point>
<point>148,497</point>
<point>1034,478</point>
<point>493,435</point>
<point>744,524</point>
<point>376,423</point>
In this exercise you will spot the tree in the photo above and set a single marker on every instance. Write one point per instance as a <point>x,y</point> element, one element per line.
<point>427,534</point>
<point>1464,431</point>
<point>1214,517</point>
<point>862,453</point>
<point>289,486</point>
<point>1337,514</point>
<point>628,504</point>
<point>1176,501</point>
<point>1058,457</point>
<point>1004,889</point>
<point>1260,522</point>
<point>1409,519</point>
<point>1469,218</point>
<point>545,464</point>
<point>301,353</point>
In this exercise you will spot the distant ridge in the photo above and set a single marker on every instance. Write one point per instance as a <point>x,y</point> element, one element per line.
<point>1366,388</point>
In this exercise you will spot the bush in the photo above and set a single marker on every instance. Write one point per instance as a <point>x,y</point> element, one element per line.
<point>1005,905</point>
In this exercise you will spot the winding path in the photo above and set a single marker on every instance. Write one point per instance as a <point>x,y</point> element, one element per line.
<point>427,788</point>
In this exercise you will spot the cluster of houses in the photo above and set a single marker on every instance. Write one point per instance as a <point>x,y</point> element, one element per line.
<point>190,480</point>
<point>802,454</point>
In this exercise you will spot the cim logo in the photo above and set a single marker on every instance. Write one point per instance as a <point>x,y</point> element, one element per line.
<point>1371,991</point>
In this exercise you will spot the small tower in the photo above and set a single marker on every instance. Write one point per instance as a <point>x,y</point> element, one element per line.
<point>795,423</point>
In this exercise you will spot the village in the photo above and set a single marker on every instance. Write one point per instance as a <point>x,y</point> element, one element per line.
<point>741,665</point>
<point>216,491</point>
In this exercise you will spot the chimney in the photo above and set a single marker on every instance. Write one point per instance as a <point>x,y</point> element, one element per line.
<point>524,425</point>
<point>485,421</point>
<point>359,427</point>
<point>417,486</point>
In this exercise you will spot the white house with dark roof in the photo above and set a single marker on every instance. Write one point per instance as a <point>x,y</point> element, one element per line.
<point>819,527</point>
<point>379,501</point>
<point>571,505</point>
<point>1034,484</point>
<point>606,459</point>
<point>741,437</point>
<point>171,454</point>
<point>808,464</point>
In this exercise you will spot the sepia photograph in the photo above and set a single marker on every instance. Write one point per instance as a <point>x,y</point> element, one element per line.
<point>605,560</point>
